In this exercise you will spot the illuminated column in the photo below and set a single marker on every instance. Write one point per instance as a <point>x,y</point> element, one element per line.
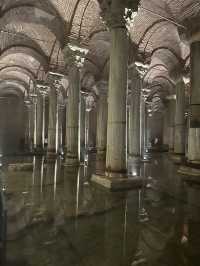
<point>30,126</point>
<point>51,150</point>
<point>61,109</point>
<point>134,121</point>
<point>116,133</point>
<point>179,139</point>
<point>172,110</point>
<point>102,119</point>
<point>82,127</point>
<point>39,122</point>
<point>72,118</point>
<point>44,120</point>
<point>116,156</point>
<point>194,127</point>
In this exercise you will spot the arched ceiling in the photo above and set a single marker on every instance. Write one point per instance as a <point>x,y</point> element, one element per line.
<point>34,32</point>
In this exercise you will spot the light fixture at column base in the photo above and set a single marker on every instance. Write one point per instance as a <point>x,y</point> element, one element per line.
<point>116,183</point>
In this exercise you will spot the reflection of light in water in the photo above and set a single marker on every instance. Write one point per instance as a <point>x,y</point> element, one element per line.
<point>33,175</point>
<point>77,192</point>
<point>42,175</point>
<point>55,179</point>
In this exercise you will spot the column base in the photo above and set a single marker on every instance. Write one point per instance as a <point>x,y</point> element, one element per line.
<point>146,158</point>
<point>101,156</point>
<point>191,172</point>
<point>51,156</point>
<point>69,161</point>
<point>15,167</point>
<point>116,183</point>
<point>134,158</point>
<point>39,151</point>
<point>177,158</point>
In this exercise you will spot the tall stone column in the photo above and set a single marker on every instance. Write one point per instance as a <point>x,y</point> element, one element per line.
<point>102,118</point>
<point>166,130</point>
<point>134,121</point>
<point>192,170</point>
<point>72,117</point>
<point>44,119</point>
<point>29,126</point>
<point>172,110</point>
<point>179,139</point>
<point>82,128</point>
<point>61,109</point>
<point>39,123</point>
<point>194,125</point>
<point>116,133</point>
<point>51,149</point>
<point>116,156</point>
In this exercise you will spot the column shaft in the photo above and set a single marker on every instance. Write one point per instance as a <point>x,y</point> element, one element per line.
<point>39,122</point>
<point>172,110</point>
<point>116,133</point>
<point>60,128</point>
<point>194,127</point>
<point>102,119</point>
<point>72,117</point>
<point>134,123</point>
<point>52,122</point>
<point>82,123</point>
<point>179,140</point>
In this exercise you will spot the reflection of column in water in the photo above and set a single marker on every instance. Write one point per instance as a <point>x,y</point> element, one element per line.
<point>121,230</point>
<point>70,190</point>
<point>55,179</point>
<point>37,181</point>
<point>194,223</point>
<point>42,175</point>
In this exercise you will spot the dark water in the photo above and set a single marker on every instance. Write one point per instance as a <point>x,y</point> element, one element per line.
<point>55,216</point>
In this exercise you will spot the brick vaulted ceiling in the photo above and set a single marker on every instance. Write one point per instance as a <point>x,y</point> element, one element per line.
<point>33,33</point>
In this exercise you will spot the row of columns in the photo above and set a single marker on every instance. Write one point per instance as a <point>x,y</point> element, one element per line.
<point>112,117</point>
<point>185,137</point>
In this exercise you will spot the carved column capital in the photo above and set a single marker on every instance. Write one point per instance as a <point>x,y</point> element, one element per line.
<point>113,12</point>
<point>74,56</point>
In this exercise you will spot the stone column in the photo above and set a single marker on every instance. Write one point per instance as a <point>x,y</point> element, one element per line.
<point>51,149</point>
<point>44,120</point>
<point>166,130</point>
<point>72,117</point>
<point>102,118</point>
<point>82,128</point>
<point>61,108</point>
<point>116,156</point>
<point>116,165</point>
<point>172,110</point>
<point>30,127</point>
<point>134,122</point>
<point>194,124</point>
<point>179,139</point>
<point>39,122</point>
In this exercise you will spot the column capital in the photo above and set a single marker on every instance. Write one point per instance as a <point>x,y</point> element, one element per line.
<point>101,88</point>
<point>74,55</point>
<point>113,12</point>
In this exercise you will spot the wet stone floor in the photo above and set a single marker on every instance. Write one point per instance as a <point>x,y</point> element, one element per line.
<point>53,215</point>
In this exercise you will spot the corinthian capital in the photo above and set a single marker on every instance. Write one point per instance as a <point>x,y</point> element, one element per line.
<point>113,12</point>
<point>74,55</point>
